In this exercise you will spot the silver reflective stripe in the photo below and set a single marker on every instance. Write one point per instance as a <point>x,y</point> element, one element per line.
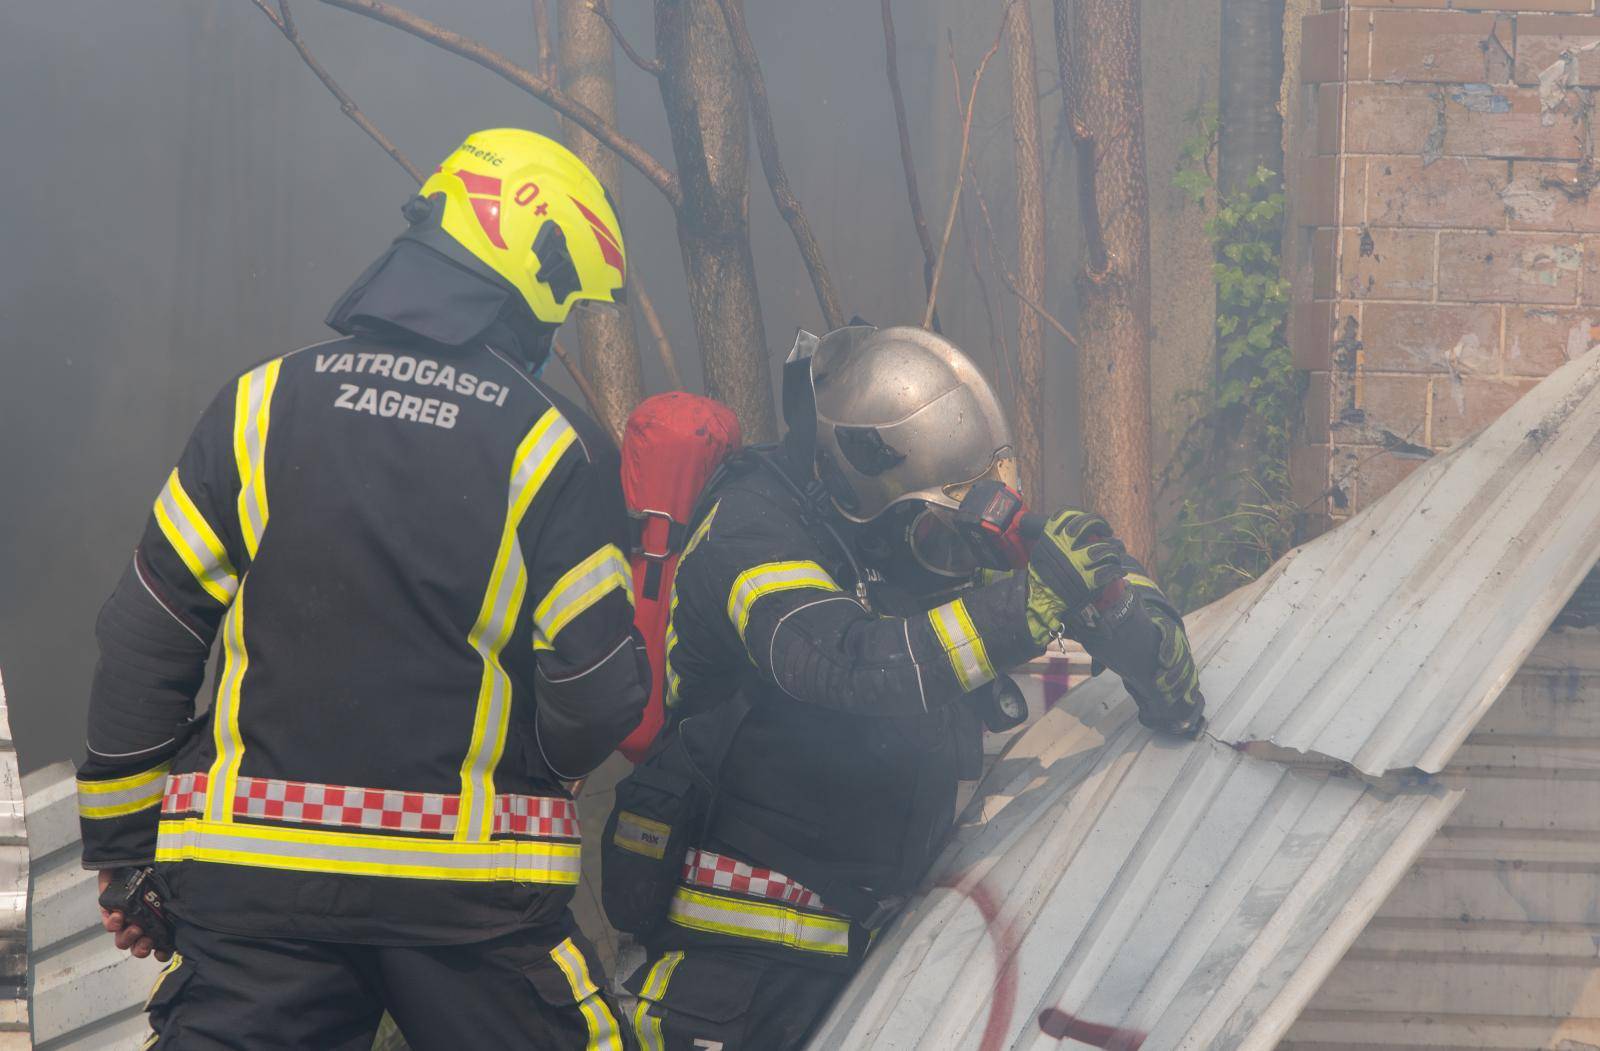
<point>604,1029</point>
<point>251,413</point>
<point>770,578</point>
<point>225,712</point>
<point>194,541</point>
<point>762,921</point>
<point>116,797</point>
<point>528,861</point>
<point>578,589</point>
<point>962,644</point>
<point>536,458</point>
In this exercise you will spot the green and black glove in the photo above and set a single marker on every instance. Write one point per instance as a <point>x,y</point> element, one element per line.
<point>1072,562</point>
<point>1169,699</point>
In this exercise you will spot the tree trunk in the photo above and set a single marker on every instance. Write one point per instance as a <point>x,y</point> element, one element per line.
<point>1029,396</point>
<point>704,96</point>
<point>1097,45</point>
<point>608,350</point>
<point>1251,128</point>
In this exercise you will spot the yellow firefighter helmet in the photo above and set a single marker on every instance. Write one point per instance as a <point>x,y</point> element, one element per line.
<point>529,209</point>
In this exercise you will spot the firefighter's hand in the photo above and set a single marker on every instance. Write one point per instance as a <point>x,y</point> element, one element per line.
<point>1171,702</point>
<point>1074,560</point>
<point>126,935</point>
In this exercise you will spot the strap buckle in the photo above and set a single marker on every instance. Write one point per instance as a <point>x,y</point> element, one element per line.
<point>643,516</point>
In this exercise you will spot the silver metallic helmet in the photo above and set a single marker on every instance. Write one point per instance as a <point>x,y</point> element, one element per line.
<point>902,414</point>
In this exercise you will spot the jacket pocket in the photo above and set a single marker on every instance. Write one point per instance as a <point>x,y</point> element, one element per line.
<point>653,822</point>
<point>700,989</point>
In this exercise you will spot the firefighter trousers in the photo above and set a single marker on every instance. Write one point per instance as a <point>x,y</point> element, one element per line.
<point>534,988</point>
<point>715,999</point>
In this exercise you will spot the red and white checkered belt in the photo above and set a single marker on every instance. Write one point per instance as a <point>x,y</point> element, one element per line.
<point>342,806</point>
<point>702,868</point>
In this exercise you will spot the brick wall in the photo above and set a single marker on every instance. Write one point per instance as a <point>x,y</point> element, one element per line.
<point>1446,207</point>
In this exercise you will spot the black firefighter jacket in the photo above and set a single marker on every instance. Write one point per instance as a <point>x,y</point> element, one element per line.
<point>412,555</point>
<point>844,767</point>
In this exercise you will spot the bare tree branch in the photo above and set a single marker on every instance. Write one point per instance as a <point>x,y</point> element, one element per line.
<point>652,321</point>
<point>961,173</point>
<point>541,27</point>
<point>906,160</point>
<point>538,87</point>
<point>997,332</point>
<point>284,20</point>
<point>995,253</point>
<point>767,140</point>
<point>582,381</point>
<point>602,8</point>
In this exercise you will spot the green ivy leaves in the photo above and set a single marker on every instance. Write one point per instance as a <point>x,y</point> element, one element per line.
<point>1231,466</point>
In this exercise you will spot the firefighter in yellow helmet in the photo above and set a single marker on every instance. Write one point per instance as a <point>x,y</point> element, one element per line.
<point>411,551</point>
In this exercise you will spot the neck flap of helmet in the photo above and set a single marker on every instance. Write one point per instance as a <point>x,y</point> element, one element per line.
<point>426,287</point>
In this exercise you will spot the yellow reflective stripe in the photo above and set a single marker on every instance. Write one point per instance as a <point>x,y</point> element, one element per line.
<point>116,797</point>
<point>673,680</point>
<point>194,541</point>
<point>962,644</point>
<point>670,688</point>
<point>224,772</point>
<point>770,578</point>
<point>646,1026</point>
<point>1140,580</point>
<point>367,854</point>
<point>700,533</point>
<point>172,965</point>
<point>535,458</point>
<point>578,589</point>
<point>762,921</point>
<point>252,410</point>
<point>605,1034</point>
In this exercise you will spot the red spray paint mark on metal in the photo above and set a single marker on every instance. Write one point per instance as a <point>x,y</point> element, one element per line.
<point>1057,1023</point>
<point>1052,1021</point>
<point>1003,1002</point>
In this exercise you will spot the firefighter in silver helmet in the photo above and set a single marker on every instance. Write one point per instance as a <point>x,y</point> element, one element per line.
<point>834,649</point>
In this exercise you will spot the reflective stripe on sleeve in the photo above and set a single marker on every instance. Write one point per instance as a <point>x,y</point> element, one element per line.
<point>646,1026</point>
<point>762,921</point>
<point>252,411</point>
<point>1142,581</point>
<point>770,578</point>
<point>194,541</point>
<point>604,1031</point>
<point>578,589</point>
<point>98,800</point>
<point>535,459</point>
<point>962,644</point>
<point>367,854</point>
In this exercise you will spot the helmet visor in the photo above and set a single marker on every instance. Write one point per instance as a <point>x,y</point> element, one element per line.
<point>940,547</point>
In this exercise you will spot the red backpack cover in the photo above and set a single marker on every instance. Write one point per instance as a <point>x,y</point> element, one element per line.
<point>670,447</point>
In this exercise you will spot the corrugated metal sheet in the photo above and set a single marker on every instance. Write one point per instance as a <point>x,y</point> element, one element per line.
<point>87,994</point>
<point>1492,939</point>
<point>1188,891</point>
<point>1383,642</point>
<point>1200,894</point>
<point>13,893</point>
